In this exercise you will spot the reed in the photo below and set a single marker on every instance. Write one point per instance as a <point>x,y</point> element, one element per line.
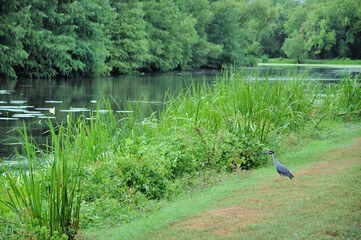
<point>47,194</point>
<point>341,99</point>
<point>255,109</point>
<point>350,94</point>
<point>98,135</point>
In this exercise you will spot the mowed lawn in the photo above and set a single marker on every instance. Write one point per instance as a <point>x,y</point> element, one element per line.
<point>323,201</point>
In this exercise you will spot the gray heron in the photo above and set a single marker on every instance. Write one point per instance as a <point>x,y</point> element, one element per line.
<point>281,169</point>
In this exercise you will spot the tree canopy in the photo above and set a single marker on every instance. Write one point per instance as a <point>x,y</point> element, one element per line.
<point>69,38</point>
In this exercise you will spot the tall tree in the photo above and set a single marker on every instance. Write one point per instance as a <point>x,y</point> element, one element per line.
<point>294,47</point>
<point>67,38</point>
<point>202,50</point>
<point>128,47</point>
<point>166,26</point>
<point>330,28</point>
<point>225,30</point>
<point>14,23</point>
<point>349,40</point>
<point>50,38</point>
<point>256,19</point>
<point>320,31</point>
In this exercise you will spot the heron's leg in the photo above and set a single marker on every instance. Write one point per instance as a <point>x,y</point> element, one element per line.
<point>280,179</point>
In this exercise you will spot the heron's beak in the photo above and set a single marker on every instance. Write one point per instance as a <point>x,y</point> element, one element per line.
<point>266,153</point>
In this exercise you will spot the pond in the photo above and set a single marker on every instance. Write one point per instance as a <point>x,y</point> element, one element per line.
<point>34,101</point>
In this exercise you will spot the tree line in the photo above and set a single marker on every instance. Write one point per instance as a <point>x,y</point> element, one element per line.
<point>69,38</point>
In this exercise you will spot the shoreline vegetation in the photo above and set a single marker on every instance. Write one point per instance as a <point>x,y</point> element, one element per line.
<point>343,63</point>
<point>112,169</point>
<point>324,65</point>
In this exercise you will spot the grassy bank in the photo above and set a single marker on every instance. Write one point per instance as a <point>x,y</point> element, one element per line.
<point>122,168</point>
<point>326,62</point>
<point>321,202</point>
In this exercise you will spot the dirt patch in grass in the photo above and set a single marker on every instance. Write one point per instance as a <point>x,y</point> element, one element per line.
<point>268,198</point>
<point>336,162</point>
<point>326,168</point>
<point>222,220</point>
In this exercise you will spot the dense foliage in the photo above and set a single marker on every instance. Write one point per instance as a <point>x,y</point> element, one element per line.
<point>45,39</point>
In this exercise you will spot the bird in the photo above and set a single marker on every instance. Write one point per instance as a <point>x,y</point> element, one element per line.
<point>281,169</point>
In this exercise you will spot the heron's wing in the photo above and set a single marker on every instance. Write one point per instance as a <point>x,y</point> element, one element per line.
<point>283,170</point>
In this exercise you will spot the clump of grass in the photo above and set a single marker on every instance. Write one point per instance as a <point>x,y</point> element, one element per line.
<point>341,99</point>
<point>350,95</point>
<point>47,194</point>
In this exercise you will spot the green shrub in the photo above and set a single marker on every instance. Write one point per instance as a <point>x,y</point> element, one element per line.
<point>144,175</point>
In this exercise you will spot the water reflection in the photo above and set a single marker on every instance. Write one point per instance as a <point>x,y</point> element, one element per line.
<point>34,101</point>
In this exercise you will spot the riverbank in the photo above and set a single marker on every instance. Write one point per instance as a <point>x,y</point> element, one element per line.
<point>321,201</point>
<point>336,63</point>
<point>351,66</point>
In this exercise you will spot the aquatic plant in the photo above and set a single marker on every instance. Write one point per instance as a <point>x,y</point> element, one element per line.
<point>47,193</point>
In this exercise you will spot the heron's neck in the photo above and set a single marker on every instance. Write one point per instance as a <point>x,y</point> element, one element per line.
<point>274,158</point>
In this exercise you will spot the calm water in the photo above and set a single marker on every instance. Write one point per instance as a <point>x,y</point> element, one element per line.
<point>33,101</point>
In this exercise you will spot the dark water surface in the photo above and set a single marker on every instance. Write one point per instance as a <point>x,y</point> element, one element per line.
<point>33,101</point>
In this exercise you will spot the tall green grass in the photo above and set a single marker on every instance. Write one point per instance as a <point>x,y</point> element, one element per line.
<point>350,95</point>
<point>341,99</point>
<point>258,109</point>
<point>46,195</point>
